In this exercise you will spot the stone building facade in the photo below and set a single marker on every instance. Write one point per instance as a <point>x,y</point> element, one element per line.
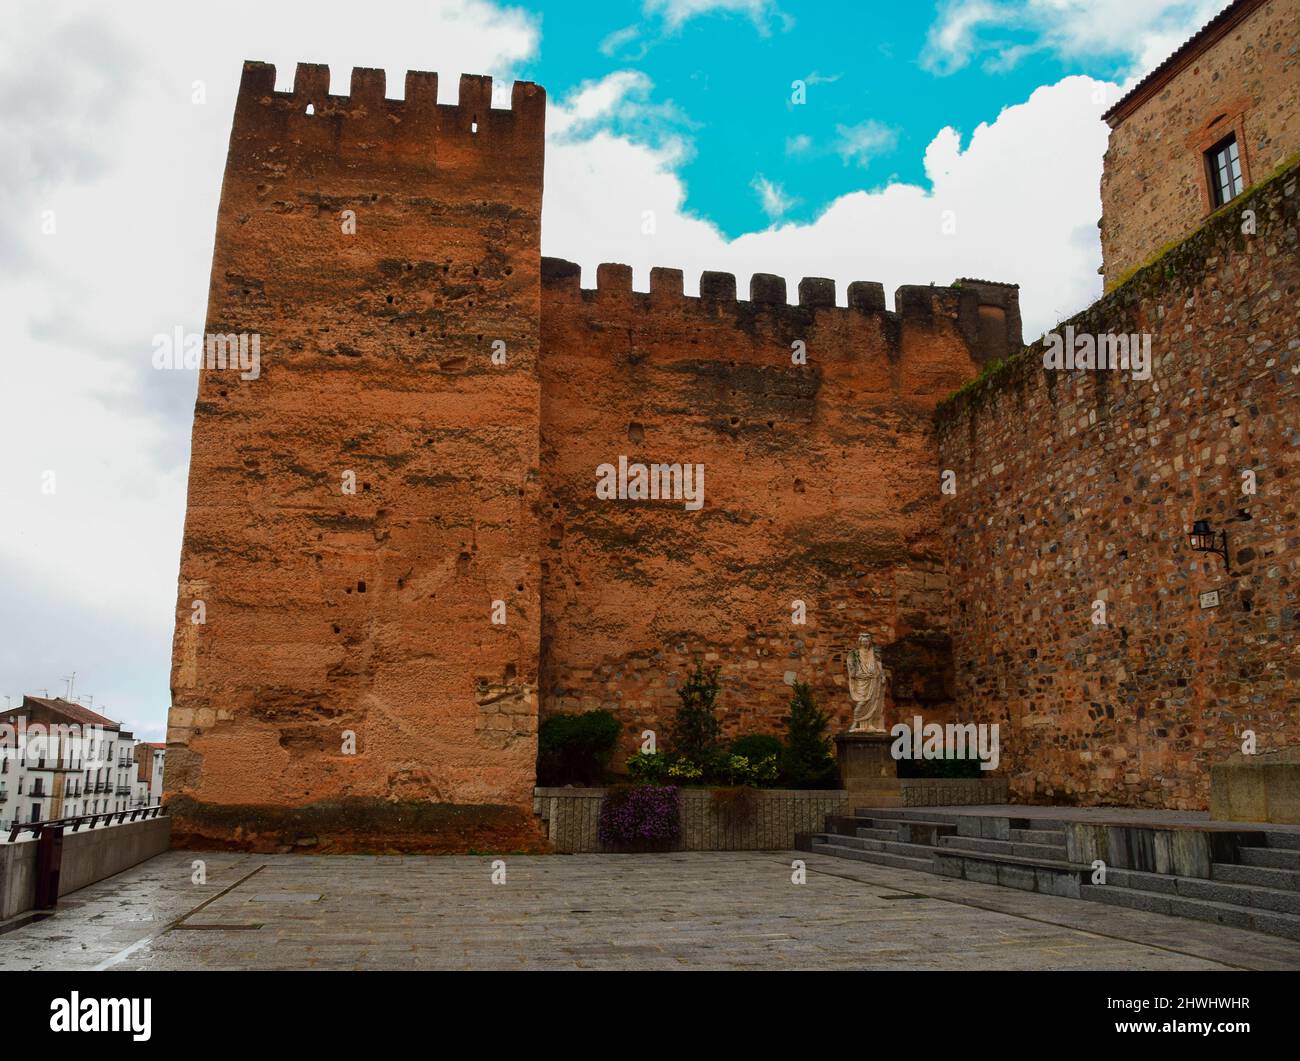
<point>1230,94</point>
<point>1079,489</point>
<point>394,555</point>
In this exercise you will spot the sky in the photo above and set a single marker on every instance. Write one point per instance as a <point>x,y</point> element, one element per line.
<point>853,139</point>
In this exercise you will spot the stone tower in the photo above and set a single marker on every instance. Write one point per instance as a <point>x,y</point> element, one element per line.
<point>358,610</point>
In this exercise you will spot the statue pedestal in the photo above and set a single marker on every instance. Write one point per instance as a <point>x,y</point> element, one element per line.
<point>867,770</point>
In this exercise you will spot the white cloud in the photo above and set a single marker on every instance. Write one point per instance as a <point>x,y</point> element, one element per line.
<point>100,129</point>
<point>677,13</point>
<point>1142,32</point>
<point>772,196</point>
<point>620,37</point>
<point>952,40</point>
<point>861,143</point>
<point>1023,192</point>
<point>621,92</point>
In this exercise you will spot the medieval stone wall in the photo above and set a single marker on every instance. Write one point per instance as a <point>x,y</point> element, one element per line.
<point>820,487</point>
<point>327,611</point>
<point>1154,187</point>
<point>1080,487</point>
<point>394,551</point>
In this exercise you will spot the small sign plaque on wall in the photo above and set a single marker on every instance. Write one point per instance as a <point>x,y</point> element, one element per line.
<point>1210,598</point>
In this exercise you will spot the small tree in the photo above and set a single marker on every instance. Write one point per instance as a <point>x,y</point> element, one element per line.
<point>695,730</point>
<point>807,760</point>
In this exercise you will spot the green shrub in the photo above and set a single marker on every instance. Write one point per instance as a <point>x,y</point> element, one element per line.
<point>807,760</point>
<point>649,768</point>
<point>695,730</point>
<point>575,749</point>
<point>757,746</point>
<point>740,770</point>
<point>684,770</point>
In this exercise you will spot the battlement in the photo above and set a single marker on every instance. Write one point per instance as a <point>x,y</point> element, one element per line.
<point>368,115</point>
<point>386,251</point>
<point>987,312</point>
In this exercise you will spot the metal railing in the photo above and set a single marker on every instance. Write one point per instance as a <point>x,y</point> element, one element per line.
<point>91,820</point>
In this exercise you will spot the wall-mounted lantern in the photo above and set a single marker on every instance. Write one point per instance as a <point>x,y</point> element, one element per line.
<point>1205,540</point>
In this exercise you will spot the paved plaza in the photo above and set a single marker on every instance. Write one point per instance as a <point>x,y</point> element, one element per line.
<point>705,910</point>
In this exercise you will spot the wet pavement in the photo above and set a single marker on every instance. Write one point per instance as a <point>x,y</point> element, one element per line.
<point>701,910</point>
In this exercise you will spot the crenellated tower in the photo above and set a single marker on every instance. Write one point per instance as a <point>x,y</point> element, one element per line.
<point>362,510</point>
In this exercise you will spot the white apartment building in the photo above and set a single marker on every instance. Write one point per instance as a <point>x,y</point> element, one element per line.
<point>59,759</point>
<point>149,756</point>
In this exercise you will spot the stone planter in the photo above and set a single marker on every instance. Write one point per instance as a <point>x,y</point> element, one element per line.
<point>570,816</point>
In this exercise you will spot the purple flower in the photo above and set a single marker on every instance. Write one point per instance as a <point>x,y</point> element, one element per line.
<point>640,816</point>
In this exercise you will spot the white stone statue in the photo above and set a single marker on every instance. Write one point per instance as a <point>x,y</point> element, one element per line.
<point>867,677</point>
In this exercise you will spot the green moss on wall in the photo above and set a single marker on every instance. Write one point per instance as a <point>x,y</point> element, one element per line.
<point>1180,264</point>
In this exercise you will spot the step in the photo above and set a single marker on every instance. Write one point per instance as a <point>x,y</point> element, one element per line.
<point>1284,841</point>
<point>858,843</point>
<point>1275,924</point>
<point>859,822</point>
<point>1280,900</point>
<point>1271,857</point>
<point>906,830</point>
<point>877,822</point>
<point>877,834</point>
<point>921,832</point>
<point>867,843</point>
<point>1261,876</point>
<point>1050,837</point>
<point>1139,880</point>
<point>1050,876</point>
<point>1049,852</point>
<point>1001,827</point>
<point>867,828</point>
<point>924,814</point>
<point>879,858</point>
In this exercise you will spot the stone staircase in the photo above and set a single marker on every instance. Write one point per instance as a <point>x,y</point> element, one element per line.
<point>1253,879</point>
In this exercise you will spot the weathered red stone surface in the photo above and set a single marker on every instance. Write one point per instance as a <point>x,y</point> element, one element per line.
<point>329,612</point>
<point>332,613</point>
<point>1078,487</point>
<point>821,486</point>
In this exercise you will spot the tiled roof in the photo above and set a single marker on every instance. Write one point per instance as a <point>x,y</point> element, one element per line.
<point>1189,50</point>
<point>83,716</point>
